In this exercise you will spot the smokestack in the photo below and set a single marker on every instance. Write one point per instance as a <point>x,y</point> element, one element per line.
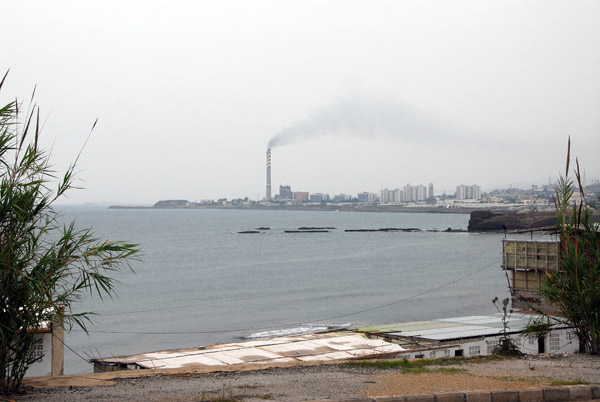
<point>269,174</point>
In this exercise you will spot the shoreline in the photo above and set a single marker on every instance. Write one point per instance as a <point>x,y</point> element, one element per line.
<point>328,208</point>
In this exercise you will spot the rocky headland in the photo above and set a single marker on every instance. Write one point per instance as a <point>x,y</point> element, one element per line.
<point>488,221</point>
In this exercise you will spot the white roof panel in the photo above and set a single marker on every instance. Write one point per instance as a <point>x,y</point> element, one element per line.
<point>312,347</point>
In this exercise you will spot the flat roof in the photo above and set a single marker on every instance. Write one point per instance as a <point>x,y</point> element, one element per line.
<point>305,348</point>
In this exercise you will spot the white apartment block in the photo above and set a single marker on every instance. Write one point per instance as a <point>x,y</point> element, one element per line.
<point>468,192</point>
<point>407,194</point>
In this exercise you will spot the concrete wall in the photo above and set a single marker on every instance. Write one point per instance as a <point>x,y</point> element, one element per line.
<point>582,393</point>
<point>558,341</point>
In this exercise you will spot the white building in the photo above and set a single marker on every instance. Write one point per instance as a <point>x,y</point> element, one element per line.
<point>407,194</point>
<point>415,193</point>
<point>468,192</point>
<point>388,196</point>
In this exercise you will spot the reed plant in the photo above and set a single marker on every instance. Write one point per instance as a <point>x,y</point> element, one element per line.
<point>575,288</point>
<point>45,266</point>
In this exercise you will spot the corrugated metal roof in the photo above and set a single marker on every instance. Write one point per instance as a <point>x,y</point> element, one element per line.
<point>407,326</point>
<point>465,331</point>
<point>473,319</point>
<point>324,346</point>
<point>452,328</point>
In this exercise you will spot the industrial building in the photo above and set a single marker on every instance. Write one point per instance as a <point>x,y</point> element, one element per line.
<point>285,192</point>
<point>300,196</point>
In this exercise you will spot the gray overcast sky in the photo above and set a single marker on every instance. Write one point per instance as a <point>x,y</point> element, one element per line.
<point>368,94</point>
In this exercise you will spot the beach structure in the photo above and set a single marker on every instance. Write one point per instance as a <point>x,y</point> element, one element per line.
<point>526,263</point>
<point>462,336</point>
<point>469,336</point>
<point>285,349</point>
<point>50,348</point>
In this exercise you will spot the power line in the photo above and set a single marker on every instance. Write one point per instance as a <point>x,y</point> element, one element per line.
<point>496,262</point>
<point>411,297</point>
<point>343,315</point>
<point>76,354</point>
<point>201,301</point>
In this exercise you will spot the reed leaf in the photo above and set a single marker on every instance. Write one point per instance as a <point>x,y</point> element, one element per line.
<point>45,267</point>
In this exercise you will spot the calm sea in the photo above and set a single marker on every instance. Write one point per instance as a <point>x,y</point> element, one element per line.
<point>200,282</point>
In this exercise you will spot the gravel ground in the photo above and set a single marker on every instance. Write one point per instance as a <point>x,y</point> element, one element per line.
<point>335,382</point>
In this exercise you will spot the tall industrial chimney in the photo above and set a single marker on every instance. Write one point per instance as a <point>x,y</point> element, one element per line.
<point>269,174</point>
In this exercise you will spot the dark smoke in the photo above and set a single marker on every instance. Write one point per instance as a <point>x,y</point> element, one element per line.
<point>362,118</point>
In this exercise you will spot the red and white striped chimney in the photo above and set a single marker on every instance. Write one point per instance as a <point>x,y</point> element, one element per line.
<point>269,174</point>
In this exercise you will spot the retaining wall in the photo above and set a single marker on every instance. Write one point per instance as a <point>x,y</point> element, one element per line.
<point>581,393</point>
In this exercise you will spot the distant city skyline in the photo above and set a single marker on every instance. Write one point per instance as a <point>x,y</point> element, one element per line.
<point>469,196</point>
<point>351,95</point>
<point>416,194</point>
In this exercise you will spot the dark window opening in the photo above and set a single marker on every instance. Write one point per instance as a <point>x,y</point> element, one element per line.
<point>541,344</point>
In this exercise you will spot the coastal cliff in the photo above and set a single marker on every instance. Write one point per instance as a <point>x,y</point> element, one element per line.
<point>488,221</point>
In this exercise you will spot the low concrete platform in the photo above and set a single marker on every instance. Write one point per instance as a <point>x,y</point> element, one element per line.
<point>289,349</point>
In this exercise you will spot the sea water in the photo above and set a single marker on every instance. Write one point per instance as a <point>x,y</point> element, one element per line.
<point>200,282</point>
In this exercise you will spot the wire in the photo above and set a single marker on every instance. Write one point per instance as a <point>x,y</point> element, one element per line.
<point>374,308</point>
<point>300,323</point>
<point>77,354</point>
<point>412,297</point>
<point>291,291</point>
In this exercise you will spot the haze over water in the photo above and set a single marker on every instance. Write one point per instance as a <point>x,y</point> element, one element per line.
<point>201,283</point>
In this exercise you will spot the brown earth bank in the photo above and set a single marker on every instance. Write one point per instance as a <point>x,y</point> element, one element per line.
<point>318,382</point>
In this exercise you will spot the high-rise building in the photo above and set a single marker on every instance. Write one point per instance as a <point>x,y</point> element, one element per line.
<point>399,195</point>
<point>414,193</point>
<point>319,197</point>
<point>389,196</point>
<point>367,197</point>
<point>407,194</point>
<point>421,193</point>
<point>342,198</point>
<point>468,192</point>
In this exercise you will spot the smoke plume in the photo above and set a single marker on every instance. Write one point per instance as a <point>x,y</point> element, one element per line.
<point>364,118</point>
